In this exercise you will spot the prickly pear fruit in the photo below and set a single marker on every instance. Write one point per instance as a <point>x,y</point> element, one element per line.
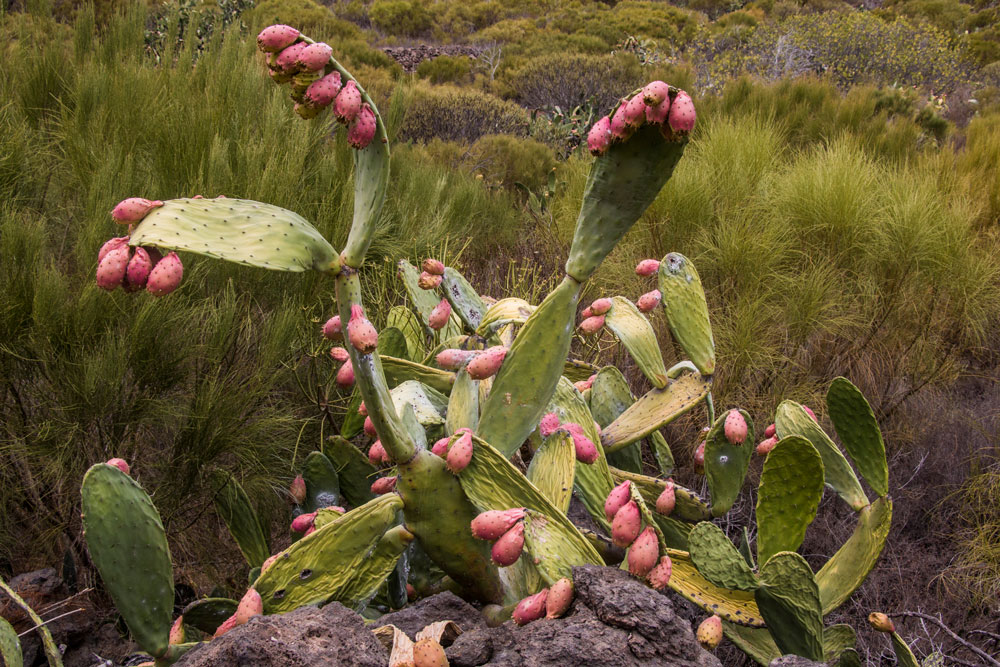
<point>362,410</point>
<point>111,270</point>
<point>486,363</point>
<point>165,276</point>
<point>370,427</point>
<point>432,266</point>
<point>635,112</point>
<point>655,92</point>
<point>881,622</point>
<point>429,653</point>
<point>592,325</point>
<point>620,130</point>
<point>493,524</point>
<point>138,269</point>
<point>530,608</point>
<point>659,576</point>
<point>315,56</point>
<point>626,525</point>
<point>287,60</point>
<point>682,116</point>
<point>647,267</point>
<point>360,331</point>
<point>699,458</point>
<point>121,464</point>
<point>810,413</point>
<point>345,376</point>
<point>619,495</point>
<point>559,599</point>
<point>599,137</point>
<point>332,330</point>
<point>269,562</point>
<point>440,447</point>
<point>601,306</point>
<point>226,626</point>
<point>303,522</point>
<point>586,451</point>
<point>429,281</point>
<point>460,452</point>
<point>644,553</point>
<point>111,244</point>
<point>765,446</point>
<point>362,129</point>
<point>176,635</point>
<point>452,359</point>
<point>710,633</point>
<point>376,453</point>
<point>384,485</point>
<point>322,92</point>
<point>507,549</point>
<point>348,102</point>
<point>548,424</point>
<point>666,500</point>
<point>439,315</point>
<point>735,428</point>
<point>133,209</point>
<point>250,605</point>
<point>658,114</point>
<point>584,385</point>
<point>770,431</point>
<point>274,38</point>
<point>586,312</point>
<point>339,354</point>
<point>649,301</point>
<point>297,490</point>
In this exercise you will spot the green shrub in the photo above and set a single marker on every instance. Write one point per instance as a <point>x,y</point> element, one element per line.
<point>460,115</point>
<point>445,69</point>
<point>567,80</point>
<point>409,18</point>
<point>508,160</point>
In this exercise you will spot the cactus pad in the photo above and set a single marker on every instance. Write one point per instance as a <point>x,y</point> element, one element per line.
<point>735,606</point>
<point>429,405</point>
<point>233,506</point>
<point>402,318</point>
<point>463,298</point>
<point>755,642</point>
<point>353,470</point>
<point>904,656</point>
<point>637,335</point>
<point>421,300</point>
<point>726,464</point>
<point>398,371</point>
<point>846,570</point>
<point>655,409</point>
<point>609,397</point>
<point>322,482</point>
<point>687,311</point>
<point>791,486</point>
<point>503,312</point>
<point>463,404</point>
<point>836,640</point>
<point>10,646</point>
<point>376,568</point>
<point>551,469</point>
<point>788,598</point>
<point>208,614</point>
<point>688,507</point>
<point>718,560</point>
<point>855,423</point>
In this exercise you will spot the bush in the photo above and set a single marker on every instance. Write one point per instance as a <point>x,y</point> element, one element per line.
<point>408,18</point>
<point>460,115</point>
<point>567,80</point>
<point>508,160</point>
<point>445,69</point>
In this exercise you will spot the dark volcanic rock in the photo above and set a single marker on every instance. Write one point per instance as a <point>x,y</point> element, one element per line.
<point>441,607</point>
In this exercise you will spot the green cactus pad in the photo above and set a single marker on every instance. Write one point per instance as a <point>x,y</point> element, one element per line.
<point>237,230</point>
<point>552,554</point>
<point>354,422</point>
<point>791,419</point>
<point>353,470</point>
<point>413,426</point>
<point>788,598</point>
<point>322,482</point>
<point>755,642</point>
<point>735,606</point>
<point>398,371</point>
<point>551,469</point>
<point>463,298</point>
<point>423,301</point>
<point>850,658</point>
<point>675,532</point>
<point>664,457</point>
<point>791,487</point>
<point>321,565</point>
<point>208,614</point>
<point>127,544</point>
<point>505,311</point>
<point>402,318</point>
<point>636,333</point>
<point>530,371</point>
<point>855,423</point>
<point>847,569</point>
<point>392,342</point>
<point>656,408</point>
<point>904,656</point>
<point>429,405</point>
<point>576,370</point>
<point>688,506</point>
<point>622,184</point>
<point>718,560</point>
<point>836,640</point>
<point>745,549</point>
<point>463,404</point>
<point>609,397</point>
<point>10,645</point>
<point>726,464</point>
<point>233,506</point>
<point>374,571</point>
<point>687,311</point>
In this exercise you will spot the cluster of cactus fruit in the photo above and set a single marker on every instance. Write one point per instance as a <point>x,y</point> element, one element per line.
<point>381,514</point>
<point>132,267</point>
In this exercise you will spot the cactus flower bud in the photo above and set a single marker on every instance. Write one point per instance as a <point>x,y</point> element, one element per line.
<point>619,495</point>
<point>433,267</point>
<point>530,608</point>
<point>460,452</point>
<point>111,270</point>
<point>666,500</point>
<point>314,57</point>
<point>439,315</point>
<point>339,354</point>
<point>770,431</point>
<point>507,549</point>
<point>303,522</point>
<point>649,301</point>
<point>682,115</point>
<point>881,622</point>
<point>626,525</point>
<point>377,454</point>
<point>440,447</point>
<point>133,209</point>
<point>592,325</point>
<point>599,137</point>
<point>764,447</point>
<point>370,427</point>
<point>647,267</point>
<point>111,244</point>
<point>548,424</point>
<point>601,306</point>
<point>710,633</point>
<point>297,490</point>
<point>494,524</point>
<point>429,281</point>
<point>166,275</point>
<point>428,652</point>
<point>644,553</point>
<point>659,576</point>
<point>121,464</point>
<point>360,331</point>
<point>384,485</point>
<point>452,359</point>
<point>486,363</point>
<point>559,599</point>
<point>345,376</point>
<point>274,38</point>
<point>332,329</point>
<point>735,428</point>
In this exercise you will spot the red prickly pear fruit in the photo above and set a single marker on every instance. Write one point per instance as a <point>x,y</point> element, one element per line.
<point>649,301</point>
<point>377,453</point>
<point>303,522</point>
<point>121,464</point>
<point>599,137</point>
<point>620,130</point>
<point>288,58</point>
<point>274,38</point>
<point>586,312</point>
<point>384,485</point>
<point>269,562</point>
<point>313,57</point>
<point>439,315</point>
<point>559,599</point>
<point>362,128</point>
<point>881,622</point>
<point>592,325</point>
<point>111,244</point>
<point>764,447</point>
<point>626,525</point>
<point>494,524</point>
<point>339,354</point>
<point>411,592</point>
<point>428,280</point>
<point>440,447</point>
<point>165,276</point>
<point>682,116</point>
<point>336,508</point>
<point>133,209</point>
<point>486,363</point>
<point>332,329</point>
<point>322,92</point>
<point>432,266</point>
<point>583,385</point>
<point>647,267</point>
<point>345,376</point>
<point>138,269</point>
<point>710,633</point>
<point>644,553</point>
<point>548,424</point>
<point>250,605</point>
<point>655,92</point>
<point>601,306</point>
<point>111,270</point>
<point>659,576</point>
<point>770,431</point>
<point>735,428</point>
<point>297,490</point>
<point>427,652</point>
<point>452,359</point>
<point>176,635</point>
<point>360,331</point>
<point>658,114</point>
<point>226,626</point>
<point>507,549</point>
<point>370,427</point>
<point>460,453</point>
<point>810,413</point>
<point>312,529</point>
<point>619,495</point>
<point>667,499</point>
<point>348,103</point>
<point>699,458</point>
<point>635,112</point>
<point>586,451</point>
<point>530,608</point>
<point>362,410</point>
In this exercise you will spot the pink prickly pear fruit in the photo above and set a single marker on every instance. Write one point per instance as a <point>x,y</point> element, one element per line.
<point>487,363</point>
<point>176,635</point>
<point>592,325</point>
<point>770,431</point>
<point>619,495</point>
<point>312,529</point>
<point>433,266</point>
<point>274,38</point>
<point>303,522</point>
<point>362,128</point>
<point>428,652</point>
<point>649,301</point>
<point>644,553</point>
<point>226,626</point>
<point>494,524</point>
<point>735,428</point>
<point>287,60</point>
<point>111,244</point>
<point>370,427</point>
<point>313,57</point>
<point>635,112</point>
<point>626,524</point>
<point>584,385</point>
<point>559,599</point>
<point>699,458</point>
<point>348,103</point>
<point>507,549</point>
<point>139,268</point>
<point>682,116</point>
<point>881,622</point>
<point>460,453</point>
<point>599,137</point>
<point>452,359</point>
<point>345,376</point>
<point>620,130</point>
<point>362,410</point>
<point>384,485</point>
<point>133,209</point>
<point>658,114</point>
<point>121,464</point>
<point>332,330</point>
<point>765,446</point>
<point>586,312</point>
<point>440,447</point>
<point>360,331</point>
<point>810,413</point>
<point>601,306</point>
<point>586,451</point>
<point>667,499</point>
<point>549,423</point>
<point>297,490</point>
<point>376,453</point>
<point>659,576</point>
<point>322,92</point>
<point>250,605</point>
<point>710,633</point>
<point>111,270</point>
<point>655,92</point>
<point>339,354</point>
<point>165,276</point>
<point>428,280</point>
<point>647,267</point>
<point>530,608</point>
<point>269,562</point>
<point>439,315</point>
